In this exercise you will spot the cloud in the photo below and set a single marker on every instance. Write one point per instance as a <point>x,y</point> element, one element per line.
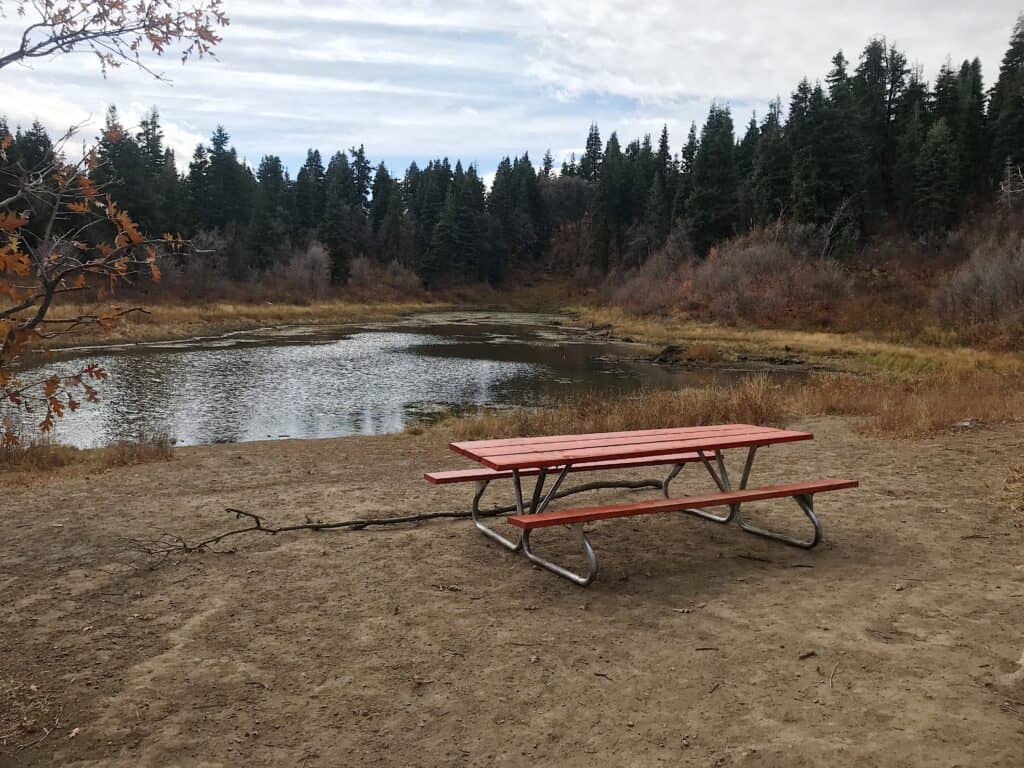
<point>481,79</point>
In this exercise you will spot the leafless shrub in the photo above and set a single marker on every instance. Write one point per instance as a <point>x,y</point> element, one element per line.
<point>372,280</point>
<point>304,276</point>
<point>988,288</point>
<point>657,285</point>
<point>764,278</point>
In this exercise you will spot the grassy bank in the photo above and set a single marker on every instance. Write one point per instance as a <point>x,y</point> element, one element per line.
<point>886,407</point>
<point>42,456</point>
<point>166,321</point>
<point>844,351</point>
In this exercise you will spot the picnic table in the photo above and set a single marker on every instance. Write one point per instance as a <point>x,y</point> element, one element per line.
<point>561,455</point>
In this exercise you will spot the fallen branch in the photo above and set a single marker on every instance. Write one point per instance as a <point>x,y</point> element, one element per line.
<point>167,544</point>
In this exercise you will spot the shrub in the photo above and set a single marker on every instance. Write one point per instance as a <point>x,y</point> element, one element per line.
<point>371,280</point>
<point>988,288</point>
<point>768,277</point>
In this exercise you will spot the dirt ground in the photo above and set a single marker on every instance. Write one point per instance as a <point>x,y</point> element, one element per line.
<point>896,643</point>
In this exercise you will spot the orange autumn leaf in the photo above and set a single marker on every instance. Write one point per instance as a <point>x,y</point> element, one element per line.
<point>77,207</point>
<point>14,260</point>
<point>12,222</point>
<point>86,187</point>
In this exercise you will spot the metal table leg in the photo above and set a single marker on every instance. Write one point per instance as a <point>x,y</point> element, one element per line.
<point>806,504</point>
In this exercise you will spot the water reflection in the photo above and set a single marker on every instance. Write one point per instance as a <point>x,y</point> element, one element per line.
<point>344,381</point>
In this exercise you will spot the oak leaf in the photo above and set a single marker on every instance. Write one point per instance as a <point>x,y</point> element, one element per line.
<point>12,222</point>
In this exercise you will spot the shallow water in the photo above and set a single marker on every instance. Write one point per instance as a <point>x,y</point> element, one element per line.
<point>324,382</point>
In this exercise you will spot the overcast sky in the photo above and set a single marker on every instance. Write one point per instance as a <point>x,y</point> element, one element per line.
<point>414,79</point>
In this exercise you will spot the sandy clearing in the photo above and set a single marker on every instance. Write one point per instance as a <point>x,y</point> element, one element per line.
<point>427,645</point>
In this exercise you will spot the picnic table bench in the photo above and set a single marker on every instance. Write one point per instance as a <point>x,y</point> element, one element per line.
<point>517,458</point>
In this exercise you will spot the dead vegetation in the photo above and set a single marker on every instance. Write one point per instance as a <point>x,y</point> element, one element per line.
<point>894,407</point>
<point>754,400</point>
<point>966,289</point>
<point>43,455</point>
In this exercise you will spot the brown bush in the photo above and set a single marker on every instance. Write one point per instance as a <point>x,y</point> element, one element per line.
<point>769,277</point>
<point>658,285</point>
<point>371,280</point>
<point>989,288</point>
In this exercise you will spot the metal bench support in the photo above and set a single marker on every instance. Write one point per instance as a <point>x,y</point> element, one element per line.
<point>718,471</point>
<point>807,505</point>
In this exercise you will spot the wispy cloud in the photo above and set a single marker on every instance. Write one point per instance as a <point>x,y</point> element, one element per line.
<point>414,79</point>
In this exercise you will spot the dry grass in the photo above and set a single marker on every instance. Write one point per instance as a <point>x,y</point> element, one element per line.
<point>44,456</point>
<point>182,321</point>
<point>889,407</point>
<point>702,352</point>
<point>901,407</point>
<point>845,351</point>
<point>753,400</point>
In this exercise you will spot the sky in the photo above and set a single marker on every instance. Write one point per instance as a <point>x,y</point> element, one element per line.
<point>481,79</point>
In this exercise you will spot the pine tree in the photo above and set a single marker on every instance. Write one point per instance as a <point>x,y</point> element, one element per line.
<point>150,139</point>
<point>393,230</point>
<point>337,229</point>
<point>361,175</point>
<point>773,168</point>
<point>590,163</point>
<point>268,230</point>
<point>442,251</point>
<point>547,165</point>
<point>229,185</point>
<point>912,135</point>
<point>665,166</point>
<point>123,172</point>
<point>608,227</point>
<point>1006,107</point>
<point>658,212</point>
<point>945,99</point>
<point>310,193</point>
<point>878,84</point>
<point>746,151</point>
<point>972,132</point>
<point>805,133</point>
<point>839,147</point>
<point>684,184</point>
<point>381,197</point>
<point>197,190</point>
<point>937,203</point>
<point>713,206</point>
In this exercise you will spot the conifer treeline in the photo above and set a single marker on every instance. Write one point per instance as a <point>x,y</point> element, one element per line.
<point>872,149</point>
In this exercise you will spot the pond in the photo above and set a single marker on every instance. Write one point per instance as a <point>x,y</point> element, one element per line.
<point>317,381</point>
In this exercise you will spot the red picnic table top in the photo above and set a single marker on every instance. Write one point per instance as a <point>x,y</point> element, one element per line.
<point>558,450</point>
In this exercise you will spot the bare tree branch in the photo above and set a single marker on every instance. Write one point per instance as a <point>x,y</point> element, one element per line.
<point>167,544</point>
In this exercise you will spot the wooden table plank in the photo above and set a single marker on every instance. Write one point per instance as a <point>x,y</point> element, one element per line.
<point>479,445</point>
<point>481,449</point>
<point>560,450</point>
<point>615,442</point>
